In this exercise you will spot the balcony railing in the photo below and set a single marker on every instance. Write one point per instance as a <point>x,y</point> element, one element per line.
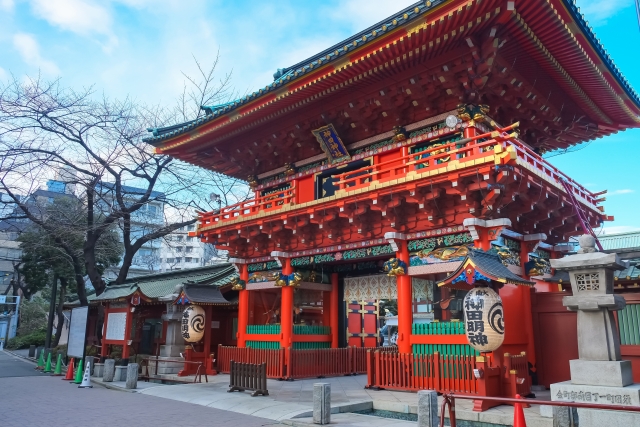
<point>429,162</point>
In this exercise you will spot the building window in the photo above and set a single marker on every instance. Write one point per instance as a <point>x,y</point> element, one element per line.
<point>179,238</point>
<point>191,227</point>
<point>190,239</point>
<point>189,249</point>
<point>169,260</point>
<point>187,259</point>
<point>178,248</point>
<point>153,211</point>
<point>178,260</point>
<point>196,260</point>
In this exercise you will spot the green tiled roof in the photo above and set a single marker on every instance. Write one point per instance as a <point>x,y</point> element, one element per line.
<point>161,284</point>
<point>620,241</point>
<point>632,272</point>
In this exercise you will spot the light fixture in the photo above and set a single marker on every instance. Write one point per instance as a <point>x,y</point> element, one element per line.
<point>478,373</point>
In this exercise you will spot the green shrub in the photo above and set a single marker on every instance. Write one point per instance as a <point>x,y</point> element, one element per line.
<point>60,349</point>
<point>36,338</point>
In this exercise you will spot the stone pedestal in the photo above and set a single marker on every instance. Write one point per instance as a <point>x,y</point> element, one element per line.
<point>98,370</point>
<point>321,403</point>
<point>174,343</point>
<point>120,373</point>
<point>32,351</point>
<point>132,376</point>
<point>428,408</point>
<point>615,373</point>
<point>109,370</point>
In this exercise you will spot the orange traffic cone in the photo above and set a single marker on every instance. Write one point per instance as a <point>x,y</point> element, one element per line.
<point>518,414</point>
<point>69,376</point>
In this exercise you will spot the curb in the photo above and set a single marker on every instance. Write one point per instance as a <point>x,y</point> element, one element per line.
<point>111,387</point>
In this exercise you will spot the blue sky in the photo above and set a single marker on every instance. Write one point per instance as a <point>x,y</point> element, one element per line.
<point>139,48</point>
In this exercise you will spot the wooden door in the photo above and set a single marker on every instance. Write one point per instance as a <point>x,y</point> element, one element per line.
<point>362,324</point>
<point>556,337</point>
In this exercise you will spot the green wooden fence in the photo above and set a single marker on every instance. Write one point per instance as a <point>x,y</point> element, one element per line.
<point>629,324</point>
<point>438,328</point>
<point>442,328</point>
<point>311,330</point>
<point>263,329</point>
<point>270,345</point>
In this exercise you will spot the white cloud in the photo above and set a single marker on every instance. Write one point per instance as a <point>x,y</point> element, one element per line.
<point>618,192</point>
<point>27,47</point>
<point>597,11</point>
<point>7,5</point>
<point>83,17</point>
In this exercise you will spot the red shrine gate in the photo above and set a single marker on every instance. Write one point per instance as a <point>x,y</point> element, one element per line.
<point>363,158</point>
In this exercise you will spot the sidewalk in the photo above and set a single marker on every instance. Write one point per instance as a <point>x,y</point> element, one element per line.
<point>291,402</point>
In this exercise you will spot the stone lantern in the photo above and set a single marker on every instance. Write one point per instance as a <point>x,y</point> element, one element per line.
<point>599,375</point>
<point>591,275</point>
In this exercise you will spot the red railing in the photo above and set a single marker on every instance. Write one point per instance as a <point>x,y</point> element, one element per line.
<point>147,362</point>
<point>517,379</point>
<point>275,359</point>
<point>536,161</point>
<point>449,399</point>
<point>405,371</point>
<point>420,162</point>
<point>360,357</point>
<point>268,202</point>
<point>324,362</point>
<point>290,363</point>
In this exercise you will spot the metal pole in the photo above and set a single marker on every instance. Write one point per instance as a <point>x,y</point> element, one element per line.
<point>52,308</point>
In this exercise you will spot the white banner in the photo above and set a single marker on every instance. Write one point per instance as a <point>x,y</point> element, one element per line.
<point>116,326</point>
<point>77,332</point>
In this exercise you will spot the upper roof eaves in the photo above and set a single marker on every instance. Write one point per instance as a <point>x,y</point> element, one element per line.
<point>595,41</point>
<point>339,50</point>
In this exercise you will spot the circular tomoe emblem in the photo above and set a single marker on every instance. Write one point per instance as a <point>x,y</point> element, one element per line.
<point>451,121</point>
<point>193,323</point>
<point>484,322</point>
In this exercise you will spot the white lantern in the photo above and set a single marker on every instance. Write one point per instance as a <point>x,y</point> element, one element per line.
<point>193,323</point>
<point>484,319</point>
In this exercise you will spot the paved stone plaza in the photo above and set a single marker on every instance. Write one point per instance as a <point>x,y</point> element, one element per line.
<point>40,399</point>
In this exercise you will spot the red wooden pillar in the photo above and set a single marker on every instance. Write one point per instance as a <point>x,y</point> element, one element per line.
<point>326,308</point>
<point>405,302</point>
<point>243,307</point>
<point>470,131</point>
<point>104,349</point>
<point>529,244</point>
<point>127,332</point>
<point>286,308</point>
<point>405,298</point>
<point>445,313</point>
<point>334,310</point>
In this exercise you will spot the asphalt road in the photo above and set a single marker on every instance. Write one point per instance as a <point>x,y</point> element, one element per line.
<point>11,366</point>
<point>29,398</point>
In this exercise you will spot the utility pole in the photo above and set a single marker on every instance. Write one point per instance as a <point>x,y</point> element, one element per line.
<point>52,310</point>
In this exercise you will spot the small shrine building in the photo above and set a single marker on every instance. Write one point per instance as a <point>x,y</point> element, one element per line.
<point>382,164</point>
